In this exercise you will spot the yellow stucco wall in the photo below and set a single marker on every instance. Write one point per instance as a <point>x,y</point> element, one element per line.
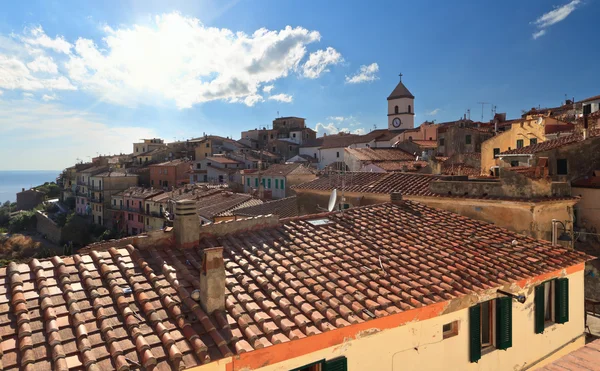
<point>524,130</point>
<point>419,345</point>
<point>588,208</point>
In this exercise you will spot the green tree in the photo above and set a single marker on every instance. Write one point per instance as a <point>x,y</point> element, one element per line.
<point>22,222</point>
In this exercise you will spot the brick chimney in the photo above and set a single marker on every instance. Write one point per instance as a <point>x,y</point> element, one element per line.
<point>396,198</point>
<point>212,280</point>
<point>186,224</point>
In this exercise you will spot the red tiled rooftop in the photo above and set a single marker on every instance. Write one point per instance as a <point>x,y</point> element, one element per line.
<point>284,208</point>
<point>552,144</point>
<point>379,154</point>
<point>460,169</point>
<point>584,358</point>
<point>283,282</point>
<point>401,165</point>
<point>287,169</point>
<point>223,160</point>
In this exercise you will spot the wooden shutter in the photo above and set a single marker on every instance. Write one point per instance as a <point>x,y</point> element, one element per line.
<point>561,300</point>
<point>337,364</point>
<point>475,333</point>
<point>540,314</point>
<point>503,323</point>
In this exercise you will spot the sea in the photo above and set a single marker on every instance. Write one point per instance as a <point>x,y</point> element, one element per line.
<point>12,182</point>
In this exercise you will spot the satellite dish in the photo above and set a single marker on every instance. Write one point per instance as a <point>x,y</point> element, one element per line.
<point>540,120</point>
<point>332,200</point>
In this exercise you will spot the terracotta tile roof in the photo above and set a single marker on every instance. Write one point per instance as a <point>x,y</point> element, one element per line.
<point>584,358</point>
<point>551,144</point>
<point>170,163</point>
<point>379,154</point>
<point>211,206</point>
<point>410,184</point>
<point>528,171</point>
<point>425,143</point>
<point>590,181</point>
<point>460,169</point>
<point>287,169</point>
<point>400,165</point>
<point>140,192</point>
<point>113,174</point>
<point>223,160</point>
<point>379,135</point>
<point>368,182</point>
<point>250,203</point>
<point>595,97</point>
<point>122,308</point>
<point>285,208</point>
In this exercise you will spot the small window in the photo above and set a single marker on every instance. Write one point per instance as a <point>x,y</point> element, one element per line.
<point>294,135</point>
<point>315,155</point>
<point>514,163</point>
<point>468,139</point>
<point>269,183</point>
<point>532,141</point>
<point>282,184</point>
<point>551,303</point>
<point>248,182</point>
<point>289,148</point>
<point>450,329</point>
<point>337,154</point>
<point>561,166</point>
<point>409,108</point>
<point>519,143</point>
<point>207,145</point>
<point>276,183</point>
<point>441,141</point>
<point>396,109</point>
<point>487,324</point>
<point>496,152</point>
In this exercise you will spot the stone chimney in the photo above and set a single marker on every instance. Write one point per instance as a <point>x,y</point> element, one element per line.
<point>396,198</point>
<point>212,281</point>
<point>187,224</point>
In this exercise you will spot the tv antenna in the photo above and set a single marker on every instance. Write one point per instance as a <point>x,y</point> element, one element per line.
<point>482,104</point>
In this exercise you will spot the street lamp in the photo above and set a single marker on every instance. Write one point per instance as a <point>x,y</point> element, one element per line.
<point>564,236</point>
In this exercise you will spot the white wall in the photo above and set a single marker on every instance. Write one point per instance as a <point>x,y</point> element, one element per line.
<point>408,121</point>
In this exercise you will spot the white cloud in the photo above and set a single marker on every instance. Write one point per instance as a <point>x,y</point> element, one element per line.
<point>1,92</point>
<point>28,95</point>
<point>177,58</point>
<point>364,74</point>
<point>43,63</point>
<point>251,100</point>
<point>267,88</point>
<point>554,16</point>
<point>433,112</point>
<point>14,74</point>
<point>318,61</point>
<point>37,37</point>
<point>348,125</point>
<point>281,98</point>
<point>47,98</point>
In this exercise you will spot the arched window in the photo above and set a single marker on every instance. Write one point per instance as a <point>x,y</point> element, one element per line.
<point>396,109</point>
<point>409,108</point>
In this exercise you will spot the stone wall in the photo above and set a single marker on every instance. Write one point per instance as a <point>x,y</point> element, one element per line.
<point>47,227</point>
<point>582,158</point>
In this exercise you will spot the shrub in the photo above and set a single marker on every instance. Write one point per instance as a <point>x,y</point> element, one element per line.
<point>22,222</point>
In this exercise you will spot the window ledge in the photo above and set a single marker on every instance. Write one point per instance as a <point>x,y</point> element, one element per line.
<point>488,350</point>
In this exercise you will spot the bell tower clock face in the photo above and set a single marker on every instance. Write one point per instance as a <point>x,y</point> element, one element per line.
<point>396,122</point>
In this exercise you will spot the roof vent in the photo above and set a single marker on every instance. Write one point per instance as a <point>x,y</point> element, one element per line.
<point>320,221</point>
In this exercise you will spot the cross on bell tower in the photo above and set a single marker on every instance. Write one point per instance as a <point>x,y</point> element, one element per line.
<point>400,76</point>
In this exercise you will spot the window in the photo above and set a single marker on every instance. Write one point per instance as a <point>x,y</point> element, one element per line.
<point>514,163</point>
<point>198,166</point>
<point>152,182</point>
<point>519,143</point>
<point>289,148</point>
<point>114,202</point>
<point>409,108</point>
<point>274,149</point>
<point>441,141</point>
<point>256,182</point>
<point>490,326</point>
<point>396,109</point>
<point>294,135</point>
<point>205,154</point>
<point>129,216</point>
<point>269,183</point>
<point>496,152</point>
<point>208,145</point>
<point>248,182</point>
<point>271,136</point>
<point>282,184</point>
<point>561,166</point>
<point>314,155</point>
<point>276,183</point>
<point>450,329</point>
<point>551,303</point>
<point>468,139</point>
<point>337,154</point>
<point>147,221</point>
<point>532,141</point>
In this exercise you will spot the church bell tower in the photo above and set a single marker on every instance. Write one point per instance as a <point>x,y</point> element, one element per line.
<point>401,108</point>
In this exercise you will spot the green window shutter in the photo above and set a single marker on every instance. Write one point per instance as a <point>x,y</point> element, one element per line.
<point>282,184</point>
<point>269,183</point>
<point>256,182</point>
<point>276,183</point>
<point>337,364</point>
<point>561,300</point>
<point>503,323</point>
<point>475,333</point>
<point>248,182</point>
<point>539,309</point>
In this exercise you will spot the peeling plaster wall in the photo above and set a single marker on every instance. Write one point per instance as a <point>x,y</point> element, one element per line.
<point>420,345</point>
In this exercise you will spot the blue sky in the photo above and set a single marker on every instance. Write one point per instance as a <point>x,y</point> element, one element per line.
<point>80,78</point>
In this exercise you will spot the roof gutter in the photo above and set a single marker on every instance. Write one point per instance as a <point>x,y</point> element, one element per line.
<point>515,155</point>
